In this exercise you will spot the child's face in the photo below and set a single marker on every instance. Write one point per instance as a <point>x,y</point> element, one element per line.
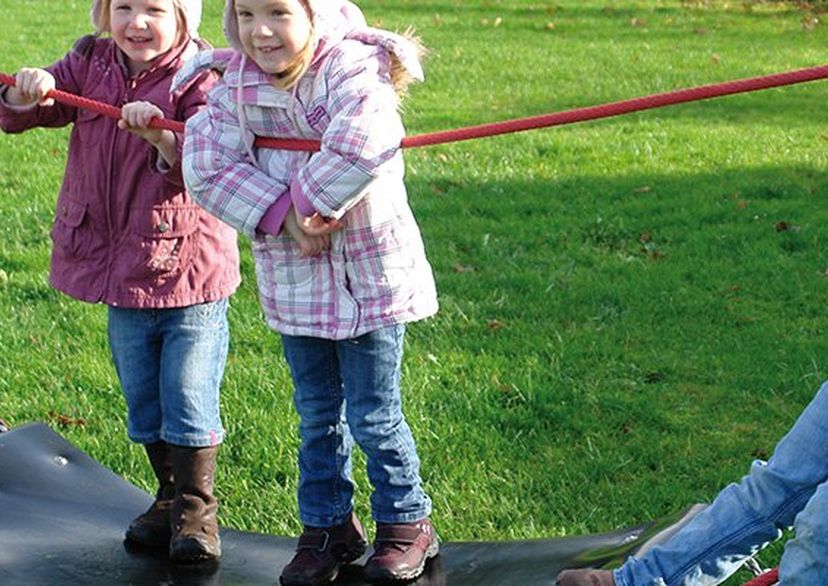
<point>143,29</point>
<point>273,32</point>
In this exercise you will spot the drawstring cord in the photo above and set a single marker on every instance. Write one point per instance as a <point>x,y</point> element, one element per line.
<point>248,144</point>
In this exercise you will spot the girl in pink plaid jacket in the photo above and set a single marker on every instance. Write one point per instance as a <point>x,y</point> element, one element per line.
<point>339,259</point>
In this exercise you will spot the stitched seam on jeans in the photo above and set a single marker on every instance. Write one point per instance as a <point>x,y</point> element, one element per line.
<point>336,391</point>
<point>747,530</point>
<point>787,505</point>
<point>683,570</point>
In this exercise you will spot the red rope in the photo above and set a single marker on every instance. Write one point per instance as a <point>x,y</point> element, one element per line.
<point>766,579</point>
<point>517,125</point>
<point>100,108</point>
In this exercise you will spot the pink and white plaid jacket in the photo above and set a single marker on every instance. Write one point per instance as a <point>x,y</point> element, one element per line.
<point>376,273</point>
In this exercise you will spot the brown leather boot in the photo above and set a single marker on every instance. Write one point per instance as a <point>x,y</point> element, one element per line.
<point>401,551</point>
<point>585,578</point>
<point>195,536</point>
<point>322,550</point>
<point>152,528</point>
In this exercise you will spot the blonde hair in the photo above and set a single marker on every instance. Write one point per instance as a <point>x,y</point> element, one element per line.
<point>105,25</point>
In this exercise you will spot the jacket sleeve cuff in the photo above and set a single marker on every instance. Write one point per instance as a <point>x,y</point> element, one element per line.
<point>273,219</point>
<point>173,173</point>
<point>300,202</point>
<point>5,104</point>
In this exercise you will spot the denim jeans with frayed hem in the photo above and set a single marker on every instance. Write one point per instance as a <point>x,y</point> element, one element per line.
<point>346,391</point>
<point>170,363</point>
<point>791,489</point>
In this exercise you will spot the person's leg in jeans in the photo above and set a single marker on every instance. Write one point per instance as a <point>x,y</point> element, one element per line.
<point>805,559</point>
<point>326,487</point>
<point>136,353</point>
<point>193,357</point>
<point>371,368</point>
<point>171,363</point>
<point>195,342</point>
<point>332,534</point>
<point>405,539</point>
<point>746,516</point>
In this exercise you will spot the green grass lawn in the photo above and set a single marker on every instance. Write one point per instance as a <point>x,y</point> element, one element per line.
<point>632,309</point>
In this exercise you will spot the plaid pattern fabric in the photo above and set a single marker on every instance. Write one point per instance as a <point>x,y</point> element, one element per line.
<point>376,273</point>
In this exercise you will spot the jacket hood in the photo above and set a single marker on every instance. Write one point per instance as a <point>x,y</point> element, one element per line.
<point>332,20</point>
<point>190,8</point>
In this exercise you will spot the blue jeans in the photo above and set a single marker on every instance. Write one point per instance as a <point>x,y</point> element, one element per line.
<point>349,390</point>
<point>790,489</point>
<point>170,363</point>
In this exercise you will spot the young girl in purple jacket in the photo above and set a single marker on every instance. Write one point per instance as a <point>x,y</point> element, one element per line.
<point>347,272</point>
<point>127,234</point>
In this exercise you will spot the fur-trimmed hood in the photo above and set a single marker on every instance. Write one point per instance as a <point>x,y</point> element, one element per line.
<point>334,21</point>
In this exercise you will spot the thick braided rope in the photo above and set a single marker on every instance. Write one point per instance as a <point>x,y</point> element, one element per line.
<point>509,126</point>
<point>766,579</point>
<point>99,107</point>
<point>622,107</point>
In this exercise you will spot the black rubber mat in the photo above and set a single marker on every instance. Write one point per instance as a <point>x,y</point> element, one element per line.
<point>63,515</point>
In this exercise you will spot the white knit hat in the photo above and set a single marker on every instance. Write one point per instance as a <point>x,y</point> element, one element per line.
<point>190,8</point>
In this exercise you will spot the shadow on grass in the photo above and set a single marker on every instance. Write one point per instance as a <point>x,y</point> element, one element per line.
<point>610,255</point>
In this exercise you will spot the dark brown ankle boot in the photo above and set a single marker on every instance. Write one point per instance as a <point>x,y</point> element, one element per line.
<point>322,550</point>
<point>152,528</point>
<point>401,551</point>
<point>195,536</point>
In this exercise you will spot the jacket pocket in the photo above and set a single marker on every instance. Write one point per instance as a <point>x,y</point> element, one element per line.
<point>279,261</point>
<point>69,233</point>
<point>161,240</point>
<point>292,288</point>
<point>379,261</point>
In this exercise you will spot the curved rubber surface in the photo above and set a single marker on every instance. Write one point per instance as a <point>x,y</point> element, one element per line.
<point>63,515</point>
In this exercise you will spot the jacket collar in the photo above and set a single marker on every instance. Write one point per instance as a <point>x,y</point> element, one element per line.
<point>164,63</point>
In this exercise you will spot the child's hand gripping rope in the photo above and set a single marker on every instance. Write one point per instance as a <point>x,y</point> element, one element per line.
<point>31,86</point>
<point>137,116</point>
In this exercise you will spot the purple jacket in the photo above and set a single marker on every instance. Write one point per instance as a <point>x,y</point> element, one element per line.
<point>125,232</point>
